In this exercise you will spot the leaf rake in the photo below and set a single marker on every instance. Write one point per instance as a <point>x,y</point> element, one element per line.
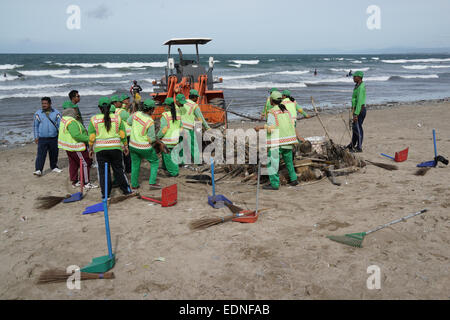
<point>356,239</point>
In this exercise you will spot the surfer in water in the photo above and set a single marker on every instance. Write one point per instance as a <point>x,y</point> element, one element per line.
<point>315,72</point>
<point>135,91</point>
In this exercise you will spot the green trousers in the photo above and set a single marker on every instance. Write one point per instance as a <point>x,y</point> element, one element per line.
<point>169,164</point>
<point>274,164</point>
<point>136,157</point>
<point>195,155</point>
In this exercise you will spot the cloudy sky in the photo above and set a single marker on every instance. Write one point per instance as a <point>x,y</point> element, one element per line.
<point>237,26</point>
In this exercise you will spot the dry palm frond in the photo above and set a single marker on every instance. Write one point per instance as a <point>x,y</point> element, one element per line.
<point>47,202</point>
<point>386,166</point>
<point>123,197</point>
<point>421,171</point>
<point>55,275</point>
<point>307,175</point>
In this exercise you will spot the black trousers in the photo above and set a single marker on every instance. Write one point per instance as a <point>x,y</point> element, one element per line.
<point>50,146</point>
<point>114,160</point>
<point>127,160</point>
<point>358,132</point>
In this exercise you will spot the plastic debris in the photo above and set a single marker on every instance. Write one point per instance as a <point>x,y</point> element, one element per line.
<point>162,259</point>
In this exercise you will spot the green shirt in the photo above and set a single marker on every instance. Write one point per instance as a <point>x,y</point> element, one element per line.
<point>163,124</point>
<point>74,130</point>
<point>358,98</point>
<point>267,107</point>
<point>199,115</point>
<point>124,115</point>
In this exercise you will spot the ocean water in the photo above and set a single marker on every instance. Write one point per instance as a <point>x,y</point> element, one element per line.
<point>25,78</point>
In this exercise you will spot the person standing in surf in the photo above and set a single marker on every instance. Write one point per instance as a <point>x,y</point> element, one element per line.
<point>358,111</point>
<point>135,91</point>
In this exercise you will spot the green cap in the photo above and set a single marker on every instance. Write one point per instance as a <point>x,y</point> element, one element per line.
<point>149,104</point>
<point>68,104</point>
<point>124,97</point>
<point>168,101</point>
<point>181,99</point>
<point>193,92</point>
<point>358,74</point>
<point>115,98</point>
<point>112,109</point>
<point>286,93</point>
<point>103,100</point>
<point>276,95</point>
<point>273,89</point>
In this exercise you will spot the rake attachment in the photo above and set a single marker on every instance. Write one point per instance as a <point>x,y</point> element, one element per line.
<point>356,239</point>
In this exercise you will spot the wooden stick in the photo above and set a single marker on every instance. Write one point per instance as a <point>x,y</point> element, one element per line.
<point>320,120</point>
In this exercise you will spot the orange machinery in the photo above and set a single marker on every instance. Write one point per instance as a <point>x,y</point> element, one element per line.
<point>191,75</point>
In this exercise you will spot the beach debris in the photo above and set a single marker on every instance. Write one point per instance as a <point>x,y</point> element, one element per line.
<point>23,218</point>
<point>55,275</point>
<point>356,239</point>
<point>162,259</point>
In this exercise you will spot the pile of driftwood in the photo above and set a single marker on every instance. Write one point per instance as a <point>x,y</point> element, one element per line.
<point>333,160</point>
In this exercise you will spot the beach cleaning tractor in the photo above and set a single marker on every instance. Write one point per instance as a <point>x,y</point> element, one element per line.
<point>190,74</point>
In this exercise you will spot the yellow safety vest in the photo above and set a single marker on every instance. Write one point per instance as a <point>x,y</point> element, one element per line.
<point>139,128</point>
<point>188,118</point>
<point>106,139</point>
<point>285,134</point>
<point>65,139</point>
<point>172,134</point>
<point>292,108</point>
<point>127,127</point>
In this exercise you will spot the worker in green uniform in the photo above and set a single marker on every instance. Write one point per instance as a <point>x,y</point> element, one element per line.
<point>281,138</point>
<point>123,114</point>
<point>126,104</point>
<point>190,111</point>
<point>107,138</point>
<point>73,138</point>
<point>267,106</point>
<point>358,112</point>
<point>169,134</point>
<point>141,139</point>
<point>293,107</point>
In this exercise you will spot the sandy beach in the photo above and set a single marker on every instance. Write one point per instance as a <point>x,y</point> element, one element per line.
<point>285,255</point>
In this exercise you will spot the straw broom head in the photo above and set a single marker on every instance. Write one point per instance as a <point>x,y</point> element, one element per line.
<point>386,166</point>
<point>421,171</point>
<point>123,197</point>
<point>208,222</point>
<point>55,275</point>
<point>47,202</point>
